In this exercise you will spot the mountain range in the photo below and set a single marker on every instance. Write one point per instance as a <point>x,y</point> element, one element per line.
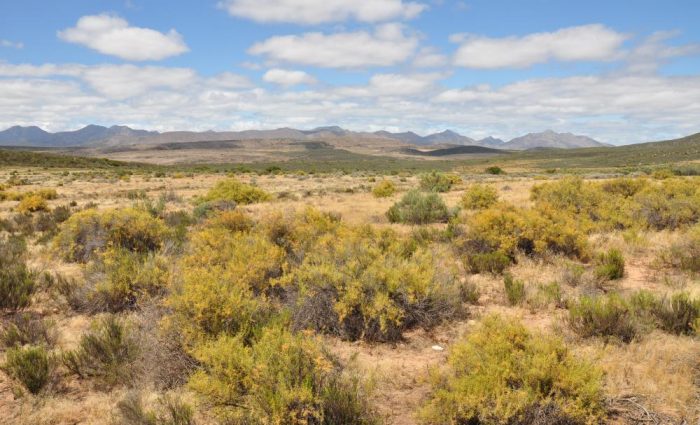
<point>116,136</point>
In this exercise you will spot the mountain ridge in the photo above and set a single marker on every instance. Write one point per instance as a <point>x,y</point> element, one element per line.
<point>119,135</point>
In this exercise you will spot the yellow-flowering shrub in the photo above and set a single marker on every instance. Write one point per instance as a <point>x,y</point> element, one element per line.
<point>479,196</point>
<point>225,278</point>
<point>236,191</point>
<point>89,232</point>
<point>384,189</point>
<point>503,374</point>
<point>33,203</point>
<point>365,283</point>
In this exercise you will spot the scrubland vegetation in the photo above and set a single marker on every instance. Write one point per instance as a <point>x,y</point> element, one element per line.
<point>492,297</point>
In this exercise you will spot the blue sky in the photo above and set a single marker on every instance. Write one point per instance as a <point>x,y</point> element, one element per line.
<point>620,71</point>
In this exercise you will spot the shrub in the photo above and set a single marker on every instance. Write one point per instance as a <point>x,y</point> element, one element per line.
<point>384,189</point>
<point>362,284</point>
<point>494,170</point>
<point>17,283</point>
<point>487,262</point>
<point>685,253</point>
<point>418,208</point>
<point>479,196</point>
<point>436,182</point>
<point>125,277</point>
<point>515,289</point>
<point>604,316</point>
<point>27,329</point>
<point>233,190</point>
<point>90,232</point>
<point>171,411</point>
<point>32,203</point>
<point>235,221</point>
<point>678,314</point>
<point>107,352</point>
<point>279,378</point>
<point>501,373</point>
<point>32,366</point>
<point>225,277</point>
<point>611,265</point>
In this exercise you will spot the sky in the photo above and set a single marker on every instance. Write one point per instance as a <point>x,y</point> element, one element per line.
<point>621,71</point>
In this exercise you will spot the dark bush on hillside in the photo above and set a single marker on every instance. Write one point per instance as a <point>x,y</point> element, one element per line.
<point>678,314</point>
<point>32,366</point>
<point>107,352</point>
<point>17,282</point>
<point>418,208</point>
<point>89,232</point>
<point>503,374</point>
<point>437,182</point>
<point>494,170</point>
<point>608,316</point>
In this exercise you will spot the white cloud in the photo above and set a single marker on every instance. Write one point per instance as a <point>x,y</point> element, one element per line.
<point>388,45</point>
<point>288,78</point>
<point>322,11</point>
<point>11,44</point>
<point>429,57</point>
<point>124,81</point>
<point>393,85</point>
<point>112,35</point>
<point>583,43</point>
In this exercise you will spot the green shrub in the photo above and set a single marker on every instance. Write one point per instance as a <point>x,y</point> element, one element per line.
<point>125,277</point>
<point>603,316</point>
<point>233,190</point>
<point>684,254</point>
<point>235,221</point>
<point>494,170</point>
<point>171,411</point>
<point>27,329</point>
<point>107,352</point>
<point>501,372</point>
<point>90,232</point>
<point>32,366</point>
<point>515,289</point>
<point>479,196</point>
<point>678,314</point>
<point>418,208</point>
<point>17,283</point>
<point>487,262</point>
<point>384,189</point>
<point>436,182</point>
<point>611,265</point>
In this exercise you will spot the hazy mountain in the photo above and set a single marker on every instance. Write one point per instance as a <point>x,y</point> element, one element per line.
<point>88,135</point>
<point>449,136</point>
<point>490,142</point>
<point>551,139</point>
<point>122,136</point>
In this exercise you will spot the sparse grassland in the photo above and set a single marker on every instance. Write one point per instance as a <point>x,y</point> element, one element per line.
<point>205,295</point>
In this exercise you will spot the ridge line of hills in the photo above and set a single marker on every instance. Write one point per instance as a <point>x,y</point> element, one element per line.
<point>96,136</point>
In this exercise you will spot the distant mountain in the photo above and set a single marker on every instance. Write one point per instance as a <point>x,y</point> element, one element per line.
<point>455,150</point>
<point>551,139</point>
<point>88,135</point>
<point>122,136</point>
<point>490,142</point>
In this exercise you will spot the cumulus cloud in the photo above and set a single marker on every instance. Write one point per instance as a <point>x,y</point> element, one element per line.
<point>388,45</point>
<point>112,35</point>
<point>429,57</point>
<point>322,11</point>
<point>288,78</point>
<point>11,44</point>
<point>582,43</point>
